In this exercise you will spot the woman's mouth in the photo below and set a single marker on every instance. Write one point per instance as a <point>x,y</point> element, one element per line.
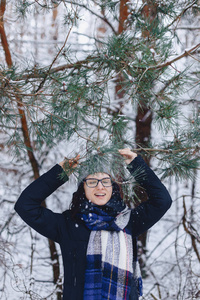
<point>100,195</point>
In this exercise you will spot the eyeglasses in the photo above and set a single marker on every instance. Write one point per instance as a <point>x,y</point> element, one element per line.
<point>93,182</point>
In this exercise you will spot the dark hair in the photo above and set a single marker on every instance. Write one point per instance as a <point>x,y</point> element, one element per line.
<point>79,196</point>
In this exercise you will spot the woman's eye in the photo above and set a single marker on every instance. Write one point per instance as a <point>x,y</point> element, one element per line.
<point>92,181</point>
<point>106,181</point>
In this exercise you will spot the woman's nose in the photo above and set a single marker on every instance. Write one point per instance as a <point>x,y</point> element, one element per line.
<point>100,185</point>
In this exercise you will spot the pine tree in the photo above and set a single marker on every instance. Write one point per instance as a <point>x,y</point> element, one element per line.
<point>73,99</point>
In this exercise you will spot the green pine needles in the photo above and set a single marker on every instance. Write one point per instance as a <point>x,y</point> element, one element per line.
<point>95,98</point>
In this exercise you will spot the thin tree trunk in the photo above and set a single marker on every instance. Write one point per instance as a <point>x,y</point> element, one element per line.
<point>27,141</point>
<point>143,136</point>
<point>144,120</point>
<point>123,15</point>
<point>4,41</point>
<point>144,117</point>
<point>54,22</point>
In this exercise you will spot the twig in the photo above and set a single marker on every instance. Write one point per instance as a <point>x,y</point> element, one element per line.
<point>185,53</point>
<point>193,237</point>
<point>163,150</point>
<point>48,72</point>
<point>94,13</point>
<point>183,11</point>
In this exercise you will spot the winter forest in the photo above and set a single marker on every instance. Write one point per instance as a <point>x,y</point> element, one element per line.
<point>84,77</point>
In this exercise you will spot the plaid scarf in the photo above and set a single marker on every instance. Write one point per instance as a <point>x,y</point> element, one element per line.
<point>110,266</point>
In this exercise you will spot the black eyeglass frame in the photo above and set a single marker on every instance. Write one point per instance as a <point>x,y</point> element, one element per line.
<point>85,180</point>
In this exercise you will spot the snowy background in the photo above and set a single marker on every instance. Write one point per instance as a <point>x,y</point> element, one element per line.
<point>172,264</point>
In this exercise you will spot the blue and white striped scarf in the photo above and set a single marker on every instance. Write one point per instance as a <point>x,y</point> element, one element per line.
<point>110,264</point>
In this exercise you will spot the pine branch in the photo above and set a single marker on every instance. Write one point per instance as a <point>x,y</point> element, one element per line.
<point>167,84</point>
<point>91,59</point>
<point>47,6</point>
<point>184,54</point>
<point>94,13</point>
<point>42,72</point>
<point>167,151</point>
<point>182,13</point>
<point>76,65</point>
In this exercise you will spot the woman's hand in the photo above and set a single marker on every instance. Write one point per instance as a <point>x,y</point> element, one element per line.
<point>128,155</point>
<point>70,163</point>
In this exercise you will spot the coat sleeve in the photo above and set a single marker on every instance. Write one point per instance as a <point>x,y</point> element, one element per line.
<point>29,205</point>
<point>159,201</point>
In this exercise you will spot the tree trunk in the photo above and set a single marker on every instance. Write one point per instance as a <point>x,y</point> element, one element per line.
<point>143,136</point>
<point>27,143</point>
<point>144,120</point>
<point>123,15</point>
<point>144,116</point>
<point>54,22</point>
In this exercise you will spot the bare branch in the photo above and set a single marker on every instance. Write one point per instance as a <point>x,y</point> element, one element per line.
<point>186,228</point>
<point>188,28</point>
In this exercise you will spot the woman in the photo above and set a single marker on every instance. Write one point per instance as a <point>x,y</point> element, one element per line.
<point>98,234</point>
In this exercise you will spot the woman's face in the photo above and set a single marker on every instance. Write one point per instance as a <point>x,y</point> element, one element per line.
<point>100,194</point>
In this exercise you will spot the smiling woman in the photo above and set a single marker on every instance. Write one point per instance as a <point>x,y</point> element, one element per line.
<point>97,235</point>
<point>98,188</point>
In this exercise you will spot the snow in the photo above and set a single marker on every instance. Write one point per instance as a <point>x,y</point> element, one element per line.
<point>171,262</point>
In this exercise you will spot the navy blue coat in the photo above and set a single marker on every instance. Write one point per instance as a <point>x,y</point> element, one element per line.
<point>72,236</point>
